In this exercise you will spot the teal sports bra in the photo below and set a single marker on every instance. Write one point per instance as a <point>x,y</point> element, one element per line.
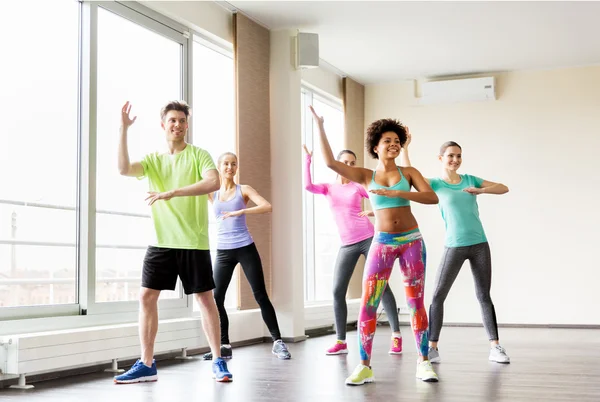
<point>381,202</point>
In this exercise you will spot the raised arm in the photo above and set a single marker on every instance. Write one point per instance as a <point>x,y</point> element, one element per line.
<point>488,187</point>
<point>126,168</point>
<point>262,206</point>
<point>423,195</point>
<point>355,174</point>
<point>308,184</point>
<point>404,159</point>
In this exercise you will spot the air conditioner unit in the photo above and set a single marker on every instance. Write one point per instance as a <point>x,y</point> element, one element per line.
<point>454,91</point>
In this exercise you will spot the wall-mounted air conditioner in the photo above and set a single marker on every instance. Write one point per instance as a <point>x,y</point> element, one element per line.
<point>454,91</point>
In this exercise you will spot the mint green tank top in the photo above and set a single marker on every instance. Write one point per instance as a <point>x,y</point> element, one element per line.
<point>381,202</point>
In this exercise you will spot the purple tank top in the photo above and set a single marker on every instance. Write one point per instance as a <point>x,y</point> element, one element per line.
<point>233,231</point>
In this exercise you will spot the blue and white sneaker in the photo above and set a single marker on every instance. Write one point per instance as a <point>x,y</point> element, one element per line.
<point>139,372</point>
<point>220,372</point>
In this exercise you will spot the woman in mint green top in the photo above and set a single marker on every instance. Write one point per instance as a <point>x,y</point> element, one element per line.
<point>465,240</point>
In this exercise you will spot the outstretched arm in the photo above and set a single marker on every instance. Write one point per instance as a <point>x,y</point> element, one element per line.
<point>423,195</point>
<point>355,174</point>
<point>308,184</point>
<point>262,206</point>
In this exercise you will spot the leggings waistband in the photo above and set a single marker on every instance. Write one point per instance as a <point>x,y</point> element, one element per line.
<point>398,238</point>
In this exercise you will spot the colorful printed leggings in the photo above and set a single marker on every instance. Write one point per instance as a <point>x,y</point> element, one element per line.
<point>409,248</point>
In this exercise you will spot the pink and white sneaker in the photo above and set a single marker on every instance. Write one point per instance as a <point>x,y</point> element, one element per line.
<point>339,348</point>
<point>396,348</point>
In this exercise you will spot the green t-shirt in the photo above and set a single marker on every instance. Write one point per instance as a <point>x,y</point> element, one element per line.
<point>460,211</point>
<point>181,222</point>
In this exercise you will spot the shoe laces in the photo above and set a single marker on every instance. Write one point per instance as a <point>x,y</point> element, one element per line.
<point>220,363</point>
<point>282,346</point>
<point>427,365</point>
<point>136,367</point>
<point>500,349</point>
<point>358,369</point>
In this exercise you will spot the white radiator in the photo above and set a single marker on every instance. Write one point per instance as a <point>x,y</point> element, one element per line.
<point>42,352</point>
<point>321,315</point>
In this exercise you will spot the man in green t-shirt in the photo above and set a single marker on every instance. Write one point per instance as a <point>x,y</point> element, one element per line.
<point>179,181</point>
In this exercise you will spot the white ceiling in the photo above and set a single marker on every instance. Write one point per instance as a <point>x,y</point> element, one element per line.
<point>381,41</point>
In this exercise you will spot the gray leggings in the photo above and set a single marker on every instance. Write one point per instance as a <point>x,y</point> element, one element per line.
<point>481,266</point>
<point>344,267</point>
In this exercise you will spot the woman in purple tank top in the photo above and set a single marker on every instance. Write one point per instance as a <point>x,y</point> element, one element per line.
<point>236,246</point>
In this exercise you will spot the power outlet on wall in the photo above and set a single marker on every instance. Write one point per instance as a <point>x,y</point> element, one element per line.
<point>403,310</point>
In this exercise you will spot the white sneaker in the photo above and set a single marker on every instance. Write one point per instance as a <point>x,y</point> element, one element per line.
<point>434,355</point>
<point>425,372</point>
<point>498,355</point>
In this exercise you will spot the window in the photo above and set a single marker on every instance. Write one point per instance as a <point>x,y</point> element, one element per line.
<point>321,235</point>
<point>146,69</point>
<point>214,121</point>
<point>73,232</point>
<point>38,155</point>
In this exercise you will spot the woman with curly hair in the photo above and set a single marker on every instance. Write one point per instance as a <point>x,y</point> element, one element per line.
<point>356,234</point>
<point>397,236</point>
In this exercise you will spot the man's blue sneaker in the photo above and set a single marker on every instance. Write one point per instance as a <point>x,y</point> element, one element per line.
<point>220,372</point>
<point>139,372</point>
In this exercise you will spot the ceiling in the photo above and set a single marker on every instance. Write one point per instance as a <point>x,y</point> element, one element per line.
<point>382,41</point>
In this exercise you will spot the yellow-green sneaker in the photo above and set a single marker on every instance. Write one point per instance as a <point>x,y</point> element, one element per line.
<point>425,372</point>
<point>360,375</point>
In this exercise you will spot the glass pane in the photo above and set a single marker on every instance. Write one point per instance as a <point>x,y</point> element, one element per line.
<point>214,124</point>
<point>145,69</point>
<point>38,155</point>
<point>326,235</point>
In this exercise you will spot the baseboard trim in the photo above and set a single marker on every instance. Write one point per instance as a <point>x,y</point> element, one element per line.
<point>554,326</point>
<point>7,380</point>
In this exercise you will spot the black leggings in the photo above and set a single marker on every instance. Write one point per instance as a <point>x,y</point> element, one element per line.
<point>225,263</point>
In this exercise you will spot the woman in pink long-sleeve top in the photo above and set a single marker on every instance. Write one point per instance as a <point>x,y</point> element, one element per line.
<point>356,233</point>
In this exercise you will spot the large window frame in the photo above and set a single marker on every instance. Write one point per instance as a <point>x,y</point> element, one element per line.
<point>25,318</point>
<point>308,95</point>
<point>169,30</point>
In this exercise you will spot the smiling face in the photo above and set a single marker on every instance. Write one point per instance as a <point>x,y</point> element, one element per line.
<point>175,125</point>
<point>451,158</point>
<point>228,166</point>
<point>388,146</point>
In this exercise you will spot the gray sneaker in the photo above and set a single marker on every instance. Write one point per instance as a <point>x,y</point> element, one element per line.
<point>434,355</point>
<point>280,350</point>
<point>498,355</point>
<point>226,353</point>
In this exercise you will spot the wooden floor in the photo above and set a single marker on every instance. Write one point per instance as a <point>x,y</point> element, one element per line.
<point>547,365</point>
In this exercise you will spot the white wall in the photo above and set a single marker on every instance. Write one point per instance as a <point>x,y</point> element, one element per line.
<point>205,17</point>
<point>286,195</point>
<point>323,80</point>
<point>541,138</point>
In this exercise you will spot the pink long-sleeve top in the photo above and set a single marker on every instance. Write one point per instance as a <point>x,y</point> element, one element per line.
<point>345,204</point>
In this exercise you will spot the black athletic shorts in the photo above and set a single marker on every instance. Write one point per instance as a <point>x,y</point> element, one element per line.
<point>163,265</point>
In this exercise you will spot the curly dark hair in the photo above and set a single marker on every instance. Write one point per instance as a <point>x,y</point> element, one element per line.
<point>376,130</point>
